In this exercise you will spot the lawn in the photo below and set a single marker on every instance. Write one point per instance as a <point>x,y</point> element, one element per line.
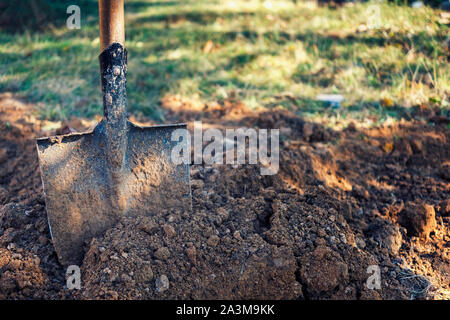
<point>381,57</point>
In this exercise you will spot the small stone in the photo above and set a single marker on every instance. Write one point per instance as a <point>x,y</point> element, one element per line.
<point>162,283</point>
<point>162,253</point>
<point>17,256</point>
<point>321,233</point>
<point>102,249</point>
<point>169,231</point>
<point>332,240</point>
<point>237,235</point>
<point>116,71</point>
<point>213,240</point>
<point>148,226</point>
<point>126,279</point>
<point>124,254</point>
<point>223,214</point>
<point>192,254</point>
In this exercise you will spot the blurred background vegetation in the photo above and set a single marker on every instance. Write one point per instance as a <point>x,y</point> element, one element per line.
<point>383,57</point>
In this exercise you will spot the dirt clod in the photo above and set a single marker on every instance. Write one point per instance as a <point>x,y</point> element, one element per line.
<point>322,271</point>
<point>162,253</point>
<point>162,283</point>
<point>213,240</point>
<point>338,205</point>
<point>418,219</point>
<point>388,236</point>
<point>169,231</point>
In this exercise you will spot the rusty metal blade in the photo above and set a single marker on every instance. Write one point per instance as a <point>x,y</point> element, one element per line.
<point>84,197</point>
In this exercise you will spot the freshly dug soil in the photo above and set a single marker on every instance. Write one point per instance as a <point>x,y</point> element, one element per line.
<point>341,202</point>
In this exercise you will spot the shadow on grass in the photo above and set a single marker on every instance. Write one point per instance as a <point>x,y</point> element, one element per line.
<point>313,41</point>
<point>39,15</point>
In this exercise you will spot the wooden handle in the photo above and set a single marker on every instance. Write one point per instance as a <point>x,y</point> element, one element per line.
<point>112,25</point>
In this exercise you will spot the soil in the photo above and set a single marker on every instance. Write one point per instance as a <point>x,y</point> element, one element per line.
<point>343,202</point>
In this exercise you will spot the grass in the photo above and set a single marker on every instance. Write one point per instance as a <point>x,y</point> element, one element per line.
<point>265,53</point>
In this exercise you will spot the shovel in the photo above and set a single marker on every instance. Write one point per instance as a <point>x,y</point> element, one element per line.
<point>118,169</point>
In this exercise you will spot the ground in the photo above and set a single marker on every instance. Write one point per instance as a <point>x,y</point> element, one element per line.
<point>312,231</point>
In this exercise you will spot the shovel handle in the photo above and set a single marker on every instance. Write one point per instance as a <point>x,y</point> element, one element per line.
<point>112,25</point>
<point>113,69</point>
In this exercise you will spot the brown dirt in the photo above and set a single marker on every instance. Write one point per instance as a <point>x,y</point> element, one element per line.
<point>338,205</point>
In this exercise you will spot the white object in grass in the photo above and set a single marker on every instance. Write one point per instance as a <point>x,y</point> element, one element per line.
<point>333,99</point>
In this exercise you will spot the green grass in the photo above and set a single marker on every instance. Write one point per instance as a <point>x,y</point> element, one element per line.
<point>263,52</point>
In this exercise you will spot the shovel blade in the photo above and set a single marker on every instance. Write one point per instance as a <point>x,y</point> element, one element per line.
<point>85,197</point>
